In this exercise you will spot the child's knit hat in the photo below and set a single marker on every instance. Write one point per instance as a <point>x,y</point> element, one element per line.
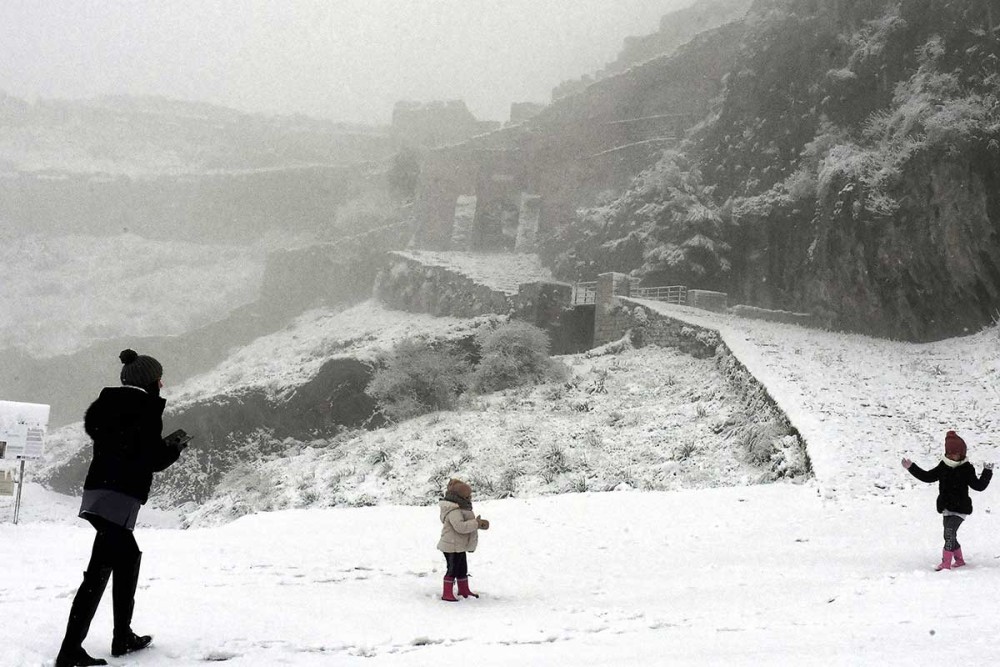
<point>954,444</point>
<point>459,488</point>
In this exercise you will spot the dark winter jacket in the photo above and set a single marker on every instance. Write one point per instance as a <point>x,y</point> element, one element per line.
<point>953,484</point>
<point>126,425</point>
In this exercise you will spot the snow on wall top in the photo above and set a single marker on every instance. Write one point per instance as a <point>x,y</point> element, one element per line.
<point>499,271</point>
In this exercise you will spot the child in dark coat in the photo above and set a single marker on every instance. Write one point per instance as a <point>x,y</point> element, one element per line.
<point>955,476</point>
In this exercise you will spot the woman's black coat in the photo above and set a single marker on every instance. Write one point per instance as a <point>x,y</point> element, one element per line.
<point>126,425</point>
<point>953,484</point>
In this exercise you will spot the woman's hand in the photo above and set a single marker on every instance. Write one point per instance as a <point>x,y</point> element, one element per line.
<point>907,463</point>
<point>483,523</point>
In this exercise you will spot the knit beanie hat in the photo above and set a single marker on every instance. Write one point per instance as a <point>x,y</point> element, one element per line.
<point>138,370</point>
<point>459,488</point>
<point>954,444</point>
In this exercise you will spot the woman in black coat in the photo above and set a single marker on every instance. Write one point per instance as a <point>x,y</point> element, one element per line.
<point>126,425</point>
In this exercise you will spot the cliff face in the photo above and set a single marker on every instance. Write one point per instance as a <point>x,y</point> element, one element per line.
<point>930,272</point>
<point>847,168</point>
<point>857,142</point>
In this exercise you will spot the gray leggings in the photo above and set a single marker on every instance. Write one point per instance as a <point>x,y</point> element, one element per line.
<point>951,524</point>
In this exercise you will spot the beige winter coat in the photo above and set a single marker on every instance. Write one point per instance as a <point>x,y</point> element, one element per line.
<point>459,529</point>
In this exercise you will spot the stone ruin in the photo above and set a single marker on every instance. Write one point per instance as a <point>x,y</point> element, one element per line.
<point>498,224</point>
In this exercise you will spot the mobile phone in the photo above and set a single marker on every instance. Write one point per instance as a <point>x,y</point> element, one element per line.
<point>179,437</point>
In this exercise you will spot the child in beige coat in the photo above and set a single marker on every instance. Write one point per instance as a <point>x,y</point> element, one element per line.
<point>460,528</point>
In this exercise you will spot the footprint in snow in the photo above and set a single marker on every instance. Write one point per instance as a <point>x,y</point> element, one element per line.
<point>220,656</point>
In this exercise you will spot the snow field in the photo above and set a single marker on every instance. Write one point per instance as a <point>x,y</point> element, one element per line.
<point>836,571</point>
<point>761,575</point>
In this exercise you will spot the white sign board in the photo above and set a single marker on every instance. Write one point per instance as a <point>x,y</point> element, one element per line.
<point>22,430</point>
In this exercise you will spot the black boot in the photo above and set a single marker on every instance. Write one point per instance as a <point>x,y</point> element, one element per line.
<point>81,613</point>
<point>123,597</point>
<point>129,643</point>
<point>80,658</point>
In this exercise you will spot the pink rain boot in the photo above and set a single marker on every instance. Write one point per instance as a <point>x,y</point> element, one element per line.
<point>449,590</point>
<point>959,561</point>
<point>945,563</point>
<point>463,589</point>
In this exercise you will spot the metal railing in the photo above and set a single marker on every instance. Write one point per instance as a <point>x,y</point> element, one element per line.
<point>586,293</point>
<point>670,294</point>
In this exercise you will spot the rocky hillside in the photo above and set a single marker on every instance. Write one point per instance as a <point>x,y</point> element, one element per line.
<point>857,146</point>
<point>676,29</point>
<point>837,158</point>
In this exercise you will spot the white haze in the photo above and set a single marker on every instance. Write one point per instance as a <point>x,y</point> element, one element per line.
<point>348,60</point>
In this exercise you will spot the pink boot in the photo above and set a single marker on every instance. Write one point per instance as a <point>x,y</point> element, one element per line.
<point>463,589</point>
<point>959,561</point>
<point>945,563</point>
<point>449,590</point>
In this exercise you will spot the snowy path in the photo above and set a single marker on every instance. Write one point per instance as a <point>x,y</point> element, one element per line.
<point>762,575</point>
<point>863,403</point>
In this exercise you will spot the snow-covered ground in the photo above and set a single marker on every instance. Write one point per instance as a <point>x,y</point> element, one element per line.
<point>774,575</point>
<point>834,571</point>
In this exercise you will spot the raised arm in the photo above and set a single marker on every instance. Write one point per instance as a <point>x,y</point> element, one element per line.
<point>980,483</point>
<point>931,475</point>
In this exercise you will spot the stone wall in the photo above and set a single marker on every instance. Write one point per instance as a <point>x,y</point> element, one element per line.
<point>409,285</point>
<point>608,325</point>
<point>707,300</point>
<point>647,327</point>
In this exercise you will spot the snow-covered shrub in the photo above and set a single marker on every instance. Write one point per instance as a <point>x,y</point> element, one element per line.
<point>684,451</point>
<point>417,378</point>
<point>555,462</point>
<point>501,485</point>
<point>513,354</point>
<point>208,462</point>
<point>757,440</point>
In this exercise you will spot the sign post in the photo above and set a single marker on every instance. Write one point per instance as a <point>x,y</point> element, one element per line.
<point>22,438</point>
<point>17,499</point>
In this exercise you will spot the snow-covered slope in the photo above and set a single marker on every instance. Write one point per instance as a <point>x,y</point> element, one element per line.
<point>861,403</point>
<point>836,571</point>
<point>281,361</point>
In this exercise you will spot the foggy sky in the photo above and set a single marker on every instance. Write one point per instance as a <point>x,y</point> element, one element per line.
<point>342,59</point>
